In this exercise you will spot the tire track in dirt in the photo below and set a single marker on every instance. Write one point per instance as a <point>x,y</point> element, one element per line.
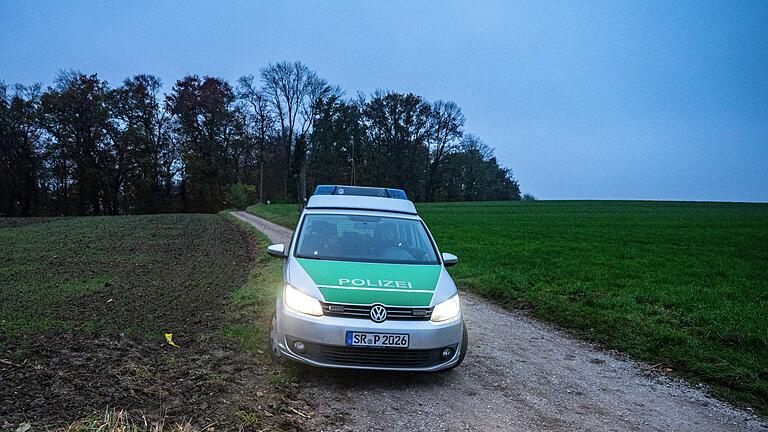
<point>519,375</point>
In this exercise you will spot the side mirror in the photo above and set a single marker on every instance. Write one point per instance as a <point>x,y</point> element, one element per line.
<point>449,259</point>
<point>277,250</point>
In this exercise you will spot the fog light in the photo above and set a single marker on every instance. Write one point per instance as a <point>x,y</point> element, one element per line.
<point>447,353</point>
<point>298,346</point>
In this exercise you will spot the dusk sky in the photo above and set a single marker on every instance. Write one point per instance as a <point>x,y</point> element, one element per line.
<point>582,100</point>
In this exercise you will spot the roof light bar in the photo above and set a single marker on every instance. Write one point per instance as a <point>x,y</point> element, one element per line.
<point>360,191</point>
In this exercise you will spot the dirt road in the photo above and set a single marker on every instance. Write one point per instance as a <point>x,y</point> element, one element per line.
<point>519,375</point>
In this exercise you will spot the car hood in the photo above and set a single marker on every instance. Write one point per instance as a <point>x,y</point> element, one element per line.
<point>368,283</point>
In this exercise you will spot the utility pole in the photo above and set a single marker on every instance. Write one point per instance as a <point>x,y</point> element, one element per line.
<point>261,180</point>
<point>352,175</point>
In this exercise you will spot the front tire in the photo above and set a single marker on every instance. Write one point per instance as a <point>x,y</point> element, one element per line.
<point>464,348</point>
<point>274,348</point>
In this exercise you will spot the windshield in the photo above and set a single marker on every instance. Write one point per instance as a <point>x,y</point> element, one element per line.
<point>365,238</point>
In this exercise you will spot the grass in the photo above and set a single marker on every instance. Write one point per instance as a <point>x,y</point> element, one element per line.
<point>254,301</point>
<point>283,214</point>
<point>121,421</point>
<point>253,306</point>
<point>680,284</point>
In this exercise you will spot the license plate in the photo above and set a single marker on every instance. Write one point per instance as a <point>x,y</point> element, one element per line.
<point>389,340</point>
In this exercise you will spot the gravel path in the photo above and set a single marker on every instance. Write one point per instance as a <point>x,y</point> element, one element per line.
<point>519,375</point>
<point>274,232</point>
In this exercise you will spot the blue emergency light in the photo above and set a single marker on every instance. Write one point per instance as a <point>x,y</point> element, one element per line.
<point>360,191</point>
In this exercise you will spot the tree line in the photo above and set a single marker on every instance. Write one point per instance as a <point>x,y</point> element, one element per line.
<point>81,147</point>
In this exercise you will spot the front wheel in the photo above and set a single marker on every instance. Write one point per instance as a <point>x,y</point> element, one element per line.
<point>274,349</point>
<point>464,348</point>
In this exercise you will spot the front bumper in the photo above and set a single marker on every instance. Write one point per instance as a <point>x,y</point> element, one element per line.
<point>327,334</point>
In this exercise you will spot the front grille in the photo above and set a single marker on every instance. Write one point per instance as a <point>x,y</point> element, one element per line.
<point>381,357</point>
<point>361,311</point>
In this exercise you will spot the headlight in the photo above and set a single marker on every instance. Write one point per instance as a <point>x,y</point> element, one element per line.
<point>300,302</point>
<point>446,310</point>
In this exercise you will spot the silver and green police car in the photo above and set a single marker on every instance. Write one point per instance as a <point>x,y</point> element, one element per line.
<point>366,287</point>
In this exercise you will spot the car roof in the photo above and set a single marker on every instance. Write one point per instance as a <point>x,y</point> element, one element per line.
<point>352,202</point>
<point>360,212</point>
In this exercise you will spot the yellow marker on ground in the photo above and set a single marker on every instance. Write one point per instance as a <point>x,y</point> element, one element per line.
<point>169,338</point>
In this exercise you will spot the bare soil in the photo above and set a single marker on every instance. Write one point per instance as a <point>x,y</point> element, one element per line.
<point>67,376</point>
<point>111,352</point>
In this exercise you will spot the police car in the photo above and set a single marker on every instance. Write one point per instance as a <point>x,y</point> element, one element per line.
<point>366,287</point>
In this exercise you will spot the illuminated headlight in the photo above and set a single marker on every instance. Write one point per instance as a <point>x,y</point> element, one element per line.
<point>300,302</point>
<point>447,310</point>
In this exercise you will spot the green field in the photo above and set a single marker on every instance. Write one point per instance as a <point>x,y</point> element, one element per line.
<point>678,285</point>
<point>283,214</point>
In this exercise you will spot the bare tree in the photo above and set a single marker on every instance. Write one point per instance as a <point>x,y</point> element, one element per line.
<point>262,120</point>
<point>447,121</point>
<point>293,90</point>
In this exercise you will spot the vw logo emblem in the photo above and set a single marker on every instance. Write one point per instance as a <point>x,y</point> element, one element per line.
<point>378,313</point>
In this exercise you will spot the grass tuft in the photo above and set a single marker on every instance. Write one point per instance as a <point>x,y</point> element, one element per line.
<point>121,421</point>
